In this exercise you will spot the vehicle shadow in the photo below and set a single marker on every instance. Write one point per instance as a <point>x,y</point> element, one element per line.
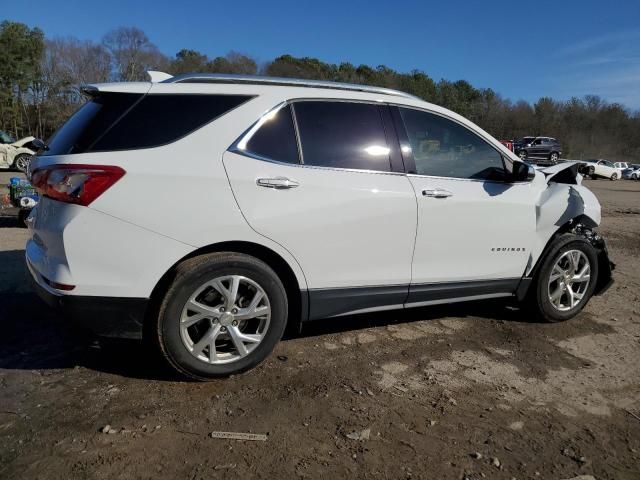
<point>36,337</point>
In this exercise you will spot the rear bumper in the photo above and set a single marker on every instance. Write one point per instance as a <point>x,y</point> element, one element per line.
<point>104,316</point>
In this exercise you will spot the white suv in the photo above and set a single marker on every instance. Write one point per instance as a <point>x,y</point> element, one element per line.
<point>206,211</point>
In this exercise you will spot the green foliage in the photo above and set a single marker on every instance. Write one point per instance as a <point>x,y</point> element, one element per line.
<point>22,50</point>
<point>39,89</point>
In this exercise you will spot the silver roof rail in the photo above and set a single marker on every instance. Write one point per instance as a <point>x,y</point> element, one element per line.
<point>281,81</point>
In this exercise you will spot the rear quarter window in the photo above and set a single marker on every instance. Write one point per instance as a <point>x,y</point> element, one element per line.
<point>117,121</point>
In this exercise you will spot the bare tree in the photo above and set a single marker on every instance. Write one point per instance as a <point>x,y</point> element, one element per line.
<point>132,54</point>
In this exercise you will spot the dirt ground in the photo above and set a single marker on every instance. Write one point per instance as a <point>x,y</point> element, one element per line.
<point>462,391</point>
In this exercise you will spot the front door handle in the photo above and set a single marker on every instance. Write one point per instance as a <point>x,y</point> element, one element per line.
<point>437,193</point>
<point>279,183</point>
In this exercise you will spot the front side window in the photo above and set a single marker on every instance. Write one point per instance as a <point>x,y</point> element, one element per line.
<point>342,135</point>
<point>274,137</point>
<point>444,148</point>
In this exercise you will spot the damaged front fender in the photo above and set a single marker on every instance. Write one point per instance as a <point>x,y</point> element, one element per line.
<point>564,205</point>
<point>563,202</point>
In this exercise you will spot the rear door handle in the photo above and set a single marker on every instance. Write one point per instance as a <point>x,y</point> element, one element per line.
<point>279,183</point>
<point>437,193</point>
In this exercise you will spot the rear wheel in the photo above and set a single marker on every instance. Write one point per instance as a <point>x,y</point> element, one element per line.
<point>566,279</point>
<point>522,155</point>
<point>223,314</point>
<point>554,157</point>
<point>614,176</point>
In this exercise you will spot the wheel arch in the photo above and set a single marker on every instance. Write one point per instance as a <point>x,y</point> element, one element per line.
<point>569,226</point>
<point>296,294</point>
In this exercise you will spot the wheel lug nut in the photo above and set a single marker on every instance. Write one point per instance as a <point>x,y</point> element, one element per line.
<point>234,323</point>
<point>235,310</point>
<point>223,329</point>
<point>222,309</point>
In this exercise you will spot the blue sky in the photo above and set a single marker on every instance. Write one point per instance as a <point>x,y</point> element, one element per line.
<point>523,50</point>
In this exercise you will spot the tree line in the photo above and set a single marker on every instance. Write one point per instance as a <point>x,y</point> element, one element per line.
<point>40,81</point>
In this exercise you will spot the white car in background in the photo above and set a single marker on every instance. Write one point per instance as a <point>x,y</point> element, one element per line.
<point>632,172</point>
<point>314,200</point>
<point>15,153</point>
<point>621,165</point>
<point>604,169</point>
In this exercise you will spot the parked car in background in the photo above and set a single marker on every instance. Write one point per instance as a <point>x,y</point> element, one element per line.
<point>16,153</point>
<point>632,172</point>
<point>538,149</point>
<point>621,165</point>
<point>604,169</point>
<point>315,200</point>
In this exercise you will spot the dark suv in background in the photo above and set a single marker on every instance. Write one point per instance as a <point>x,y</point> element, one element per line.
<point>538,149</point>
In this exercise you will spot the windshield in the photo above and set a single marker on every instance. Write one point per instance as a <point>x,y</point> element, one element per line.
<point>6,138</point>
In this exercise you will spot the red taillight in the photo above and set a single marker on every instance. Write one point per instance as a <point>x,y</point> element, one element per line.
<point>72,183</point>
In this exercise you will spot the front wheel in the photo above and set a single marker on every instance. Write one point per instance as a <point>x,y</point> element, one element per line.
<point>522,155</point>
<point>614,176</point>
<point>22,161</point>
<point>554,158</point>
<point>223,314</point>
<point>566,279</point>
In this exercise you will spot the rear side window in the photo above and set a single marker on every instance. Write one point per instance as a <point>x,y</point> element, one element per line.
<point>275,139</point>
<point>118,121</point>
<point>89,123</point>
<point>342,135</point>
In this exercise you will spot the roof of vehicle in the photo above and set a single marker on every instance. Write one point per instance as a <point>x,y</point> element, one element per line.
<point>280,81</point>
<point>229,79</point>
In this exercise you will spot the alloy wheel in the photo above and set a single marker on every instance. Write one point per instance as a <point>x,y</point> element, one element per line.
<point>22,162</point>
<point>225,319</point>
<point>569,280</point>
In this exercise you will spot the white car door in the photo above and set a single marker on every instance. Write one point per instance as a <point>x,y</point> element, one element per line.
<point>347,218</point>
<point>475,228</point>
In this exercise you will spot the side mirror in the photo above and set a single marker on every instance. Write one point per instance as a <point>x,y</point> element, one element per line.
<point>39,145</point>
<point>522,172</point>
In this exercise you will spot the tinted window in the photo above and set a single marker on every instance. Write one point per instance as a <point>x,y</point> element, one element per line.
<point>161,119</point>
<point>342,135</point>
<point>444,148</point>
<point>89,123</point>
<point>122,121</point>
<point>276,138</point>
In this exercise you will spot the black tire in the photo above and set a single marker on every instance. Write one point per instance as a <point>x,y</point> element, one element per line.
<point>539,293</point>
<point>523,155</point>
<point>21,162</point>
<point>192,274</point>
<point>554,157</point>
<point>613,177</point>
